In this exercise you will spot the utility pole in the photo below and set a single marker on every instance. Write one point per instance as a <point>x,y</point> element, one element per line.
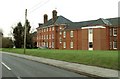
<point>25,31</point>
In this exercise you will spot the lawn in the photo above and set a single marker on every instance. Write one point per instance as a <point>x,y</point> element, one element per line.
<point>107,59</point>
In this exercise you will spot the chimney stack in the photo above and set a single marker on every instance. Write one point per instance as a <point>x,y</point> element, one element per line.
<point>54,15</point>
<point>45,18</point>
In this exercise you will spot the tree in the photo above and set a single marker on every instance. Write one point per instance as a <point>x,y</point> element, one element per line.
<point>7,42</point>
<point>18,35</point>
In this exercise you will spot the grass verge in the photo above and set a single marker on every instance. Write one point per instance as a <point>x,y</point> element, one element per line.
<point>106,59</point>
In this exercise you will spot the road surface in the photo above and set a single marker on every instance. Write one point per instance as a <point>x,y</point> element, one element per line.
<point>19,67</point>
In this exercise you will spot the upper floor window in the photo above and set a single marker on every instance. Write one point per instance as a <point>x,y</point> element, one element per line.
<point>60,27</point>
<point>49,36</point>
<point>52,28</point>
<point>64,34</point>
<point>60,33</point>
<point>60,40</point>
<point>114,31</point>
<point>90,31</point>
<point>49,28</point>
<point>110,31</point>
<point>71,33</point>
<point>52,36</point>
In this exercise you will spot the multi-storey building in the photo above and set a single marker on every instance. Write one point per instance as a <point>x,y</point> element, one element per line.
<point>61,33</point>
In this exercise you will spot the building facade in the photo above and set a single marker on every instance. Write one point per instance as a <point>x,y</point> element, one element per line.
<point>61,33</point>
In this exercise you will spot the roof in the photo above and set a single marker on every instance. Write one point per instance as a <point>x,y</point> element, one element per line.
<point>58,20</point>
<point>112,22</point>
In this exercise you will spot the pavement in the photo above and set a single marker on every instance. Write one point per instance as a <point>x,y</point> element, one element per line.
<point>92,71</point>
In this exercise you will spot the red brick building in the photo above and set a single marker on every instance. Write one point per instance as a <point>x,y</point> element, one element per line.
<point>61,33</point>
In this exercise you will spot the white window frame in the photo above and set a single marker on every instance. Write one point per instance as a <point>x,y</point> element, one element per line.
<point>71,33</point>
<point>53,28</point>
<point>60,33</point>
<point>49,36</point>
<point>64,44</point>
<point>71,45</point>
<point>60,39</point>
<point>49,44</point>
<point>52,36</point>
<point>114,31</point>
<point>114,45</point>
<point>60,27</point>
<point>64,34</point>
<point>52,44</point>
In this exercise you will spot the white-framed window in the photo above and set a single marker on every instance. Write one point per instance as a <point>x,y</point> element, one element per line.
<point>49,44</point>
<point>60,33</point>
<point>60,40</point>
<point>52,44</point>
<point>42,36</point>
<point>52,28</point>
<point>114,31</point>
<point>90,31</point>
<point>71,44</point>
<point>71,33</point>
<point>64,44</point>
<point>64,34</point>
<point>49,36</point>
<point>110,31</point>
<point>52,36</point>
<point>114,44</point>
<point>60,27</point>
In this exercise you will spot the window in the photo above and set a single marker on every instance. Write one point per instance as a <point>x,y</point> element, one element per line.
<point>52,28</point>
<point>64,34</point>
<point>64,44</point>
<point>90,44</point>
<point>60,33</point>
<point>114,44</point>
<point>49,28</point>
<point>49,36</point>
<point>60,40</point>
<point>114,31</point>
<point>52,44</point>
<point>52,36</point>
<point>49,44</point>
<point>60,27</point>
<point>42,36</point>
<point>110,31</point>
<point>90,31</point>
<point>71,33</point>
<point>71,44</point>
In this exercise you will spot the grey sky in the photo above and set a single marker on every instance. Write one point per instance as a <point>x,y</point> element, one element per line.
<point>12,11</point>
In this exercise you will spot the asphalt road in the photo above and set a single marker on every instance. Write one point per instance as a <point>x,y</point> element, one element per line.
<point>18,67</point>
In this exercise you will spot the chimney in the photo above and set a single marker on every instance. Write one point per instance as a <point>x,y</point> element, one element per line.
<point>45,18</point>
<point>54,15</point>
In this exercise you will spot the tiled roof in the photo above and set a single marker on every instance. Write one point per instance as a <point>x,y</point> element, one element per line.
<point>59,20</point>
<point>112,22</point>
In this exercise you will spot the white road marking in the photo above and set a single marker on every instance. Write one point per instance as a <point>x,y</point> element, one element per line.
<point>6,66</point>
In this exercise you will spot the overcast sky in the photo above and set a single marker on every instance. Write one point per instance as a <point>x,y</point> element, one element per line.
<point>12,11</point>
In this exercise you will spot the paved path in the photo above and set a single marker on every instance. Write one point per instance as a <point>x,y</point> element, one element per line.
<point>79,68</point>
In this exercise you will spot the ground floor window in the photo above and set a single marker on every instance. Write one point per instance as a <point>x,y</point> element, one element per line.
<point>64,44</point>
<point>114,44</point>
<point>90,44</point>
<point>71,44</point>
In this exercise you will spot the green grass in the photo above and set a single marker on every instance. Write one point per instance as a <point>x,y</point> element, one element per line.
<point>107,59</point>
